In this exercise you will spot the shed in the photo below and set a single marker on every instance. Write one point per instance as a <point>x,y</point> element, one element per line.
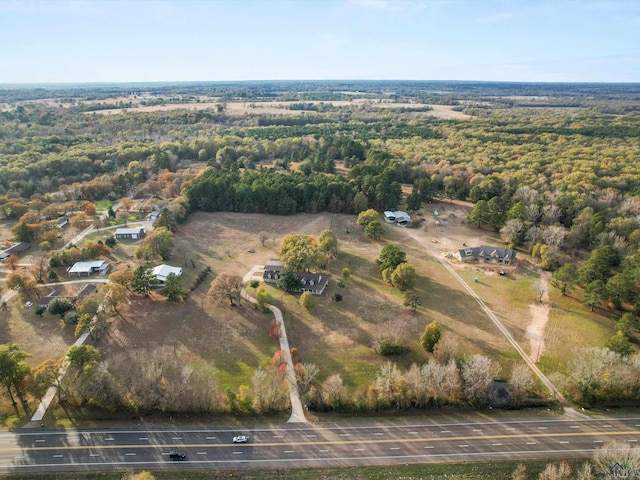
<point>14,250</point>
<point>129,233</point>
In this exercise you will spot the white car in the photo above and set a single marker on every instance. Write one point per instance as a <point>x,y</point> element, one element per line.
<point>28,304</point>
<point>240,439</point>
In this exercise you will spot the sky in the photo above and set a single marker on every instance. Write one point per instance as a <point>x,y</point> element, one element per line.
<point>220,40</point>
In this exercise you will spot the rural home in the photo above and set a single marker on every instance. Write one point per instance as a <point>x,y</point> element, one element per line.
<point>43,302</point>
<point>14,250</point>
<point>485,254</point>
<point>129,233</point>
<point>161,272</point>
<point>311,282</point>
<point>401,218</point>
<point>88,267</point>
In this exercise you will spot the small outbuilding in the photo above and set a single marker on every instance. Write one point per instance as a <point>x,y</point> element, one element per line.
<point>129,233</point>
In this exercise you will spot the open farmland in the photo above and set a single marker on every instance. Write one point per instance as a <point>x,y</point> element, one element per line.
<point>337,336</point>
<point>282,108</point>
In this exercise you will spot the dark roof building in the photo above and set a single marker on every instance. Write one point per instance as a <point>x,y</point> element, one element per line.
<point>87,290</point>
<point>14,250</point>
<point>486,254</point>
<point>311,282</point>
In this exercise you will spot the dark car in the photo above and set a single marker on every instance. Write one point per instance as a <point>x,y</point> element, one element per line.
<point>177,455</point>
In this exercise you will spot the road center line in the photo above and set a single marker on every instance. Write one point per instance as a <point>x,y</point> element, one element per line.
<point>143,438</point>
<point>201,453</point>
<point>394,448</point>
<point>130,454</point>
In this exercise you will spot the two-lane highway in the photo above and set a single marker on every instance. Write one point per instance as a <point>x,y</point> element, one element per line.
<point>314,444</point>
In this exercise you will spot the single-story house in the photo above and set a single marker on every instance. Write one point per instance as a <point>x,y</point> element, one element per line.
<point>503,256</point>
<point>87,290</point>
<point>161,272</point>
<point>43,302</point>
<point>88,268</point>
<point>129,233</point>
<point>62,221</point>
<point>311,282</point>
<point>14,250</point>
<point>399,217</point>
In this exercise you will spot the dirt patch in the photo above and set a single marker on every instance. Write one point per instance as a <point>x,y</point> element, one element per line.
<point>539,318</point>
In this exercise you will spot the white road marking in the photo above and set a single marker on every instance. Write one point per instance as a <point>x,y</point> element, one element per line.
<point>632,440</point>
<point>378,433</point>
<point>606,426</point>
<point>476,430</point>
<point>430,446</point>
<point>496,444</point>
<point>564,442</point>
<point>288,451</point>
<point>394,448</point>
<point>40,440</point>
<point>542,428</point>
<point>210,438</point>
<point>324,451</point>
<point>597,441</point>
<point>359,450</point>
<point>531,443</point>
<point>277,436</point>
<point>109,438</point>
<point>445,431</point>
<point>19,457</point>
<point>176,438</point>
<point>237,453</point>
<point>201,453</point>
<point>345,434</point>
<point>57,456</point>
<point>94,454</point>
<point>574,426</point>
<point>412,433</point>
<point>313,435</point>
<point>509,428</point>
<point>143,438</point>
<point>464,445</point>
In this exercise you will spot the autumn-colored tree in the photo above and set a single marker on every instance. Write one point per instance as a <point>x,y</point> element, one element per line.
<point>114,294</point>
<point>430,336</point>
<point>122,276</point>
<point>89,208</point>
<point>226,288</point>
<point>127,203</point>
<point>300,253</point>
<point>366,217</point>
<point>12,262</point>
<point>403,277</point>
<point>306,300</point>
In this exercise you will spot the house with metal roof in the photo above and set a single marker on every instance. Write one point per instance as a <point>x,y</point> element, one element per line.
<point>88,268</point>
<point>161,272</point>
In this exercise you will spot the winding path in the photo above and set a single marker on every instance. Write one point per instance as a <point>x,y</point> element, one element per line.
<point>297,412</point>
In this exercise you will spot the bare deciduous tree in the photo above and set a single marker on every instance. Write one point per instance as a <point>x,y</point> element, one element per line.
<point>477,373</point>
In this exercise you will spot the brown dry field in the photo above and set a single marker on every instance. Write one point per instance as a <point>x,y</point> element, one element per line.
<point>338,337</point>
<point>281,108</point>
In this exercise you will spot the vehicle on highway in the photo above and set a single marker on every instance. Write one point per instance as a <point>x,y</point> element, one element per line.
<point>177,455</point>
<point>240,439</point>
